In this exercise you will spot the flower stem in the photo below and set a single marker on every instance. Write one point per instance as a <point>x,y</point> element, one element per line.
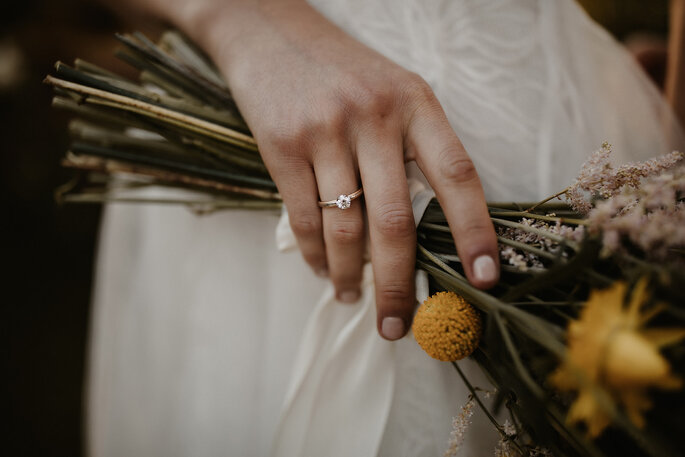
<point>561,220</point>
<point>558,194</point>
<point>486,411</point>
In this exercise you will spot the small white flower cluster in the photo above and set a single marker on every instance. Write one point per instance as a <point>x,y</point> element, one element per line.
<point>504,447</point>
<point>524,260</point>
<point>540,452</point>
<point>460,425</point>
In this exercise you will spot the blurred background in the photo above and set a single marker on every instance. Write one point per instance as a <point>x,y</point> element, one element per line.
<point>49,249</point>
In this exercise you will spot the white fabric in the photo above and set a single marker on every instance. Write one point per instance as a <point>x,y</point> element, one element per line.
<point>343,374</point>
<point>201,329</point>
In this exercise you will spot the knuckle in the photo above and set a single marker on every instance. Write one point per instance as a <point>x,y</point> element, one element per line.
<point>330,120</point>
<point>395,221</point>
<point>419,98</point>
<point>348,232</point>
<point>289,140</point>
<point>302,130</point>
<point>455,166</point>
<point>315,259</point>
<point>378,104</point>
<point>395,294</point>
<point>305,226</point>
<point>416,88</point>
<point>368,99</point>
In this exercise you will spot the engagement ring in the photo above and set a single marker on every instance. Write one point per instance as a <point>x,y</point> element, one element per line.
<point>342,202</point>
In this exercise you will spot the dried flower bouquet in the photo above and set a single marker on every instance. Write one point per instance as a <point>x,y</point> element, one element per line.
<point>583,336</point>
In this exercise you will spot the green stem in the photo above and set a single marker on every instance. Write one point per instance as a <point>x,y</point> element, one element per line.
<point>562,220</point>
<point>509,344</point>
<point>195,204</point>
<point>440,263</point>
<point>545,303</point>
<point>483,408</point>
<point>521,206</point>
<point>558,194</point>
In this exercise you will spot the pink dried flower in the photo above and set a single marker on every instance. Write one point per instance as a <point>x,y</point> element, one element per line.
<point>611,241</point>
<point>650,216</point>
<point>598,179</point>
<point>631,174</point>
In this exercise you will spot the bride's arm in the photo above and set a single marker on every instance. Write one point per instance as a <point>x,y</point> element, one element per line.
<point>331,115</point>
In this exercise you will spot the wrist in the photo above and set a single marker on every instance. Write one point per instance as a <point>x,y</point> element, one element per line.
<point>220,26</point>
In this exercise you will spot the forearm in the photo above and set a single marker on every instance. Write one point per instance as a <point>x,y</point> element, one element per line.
<point>213,24</point>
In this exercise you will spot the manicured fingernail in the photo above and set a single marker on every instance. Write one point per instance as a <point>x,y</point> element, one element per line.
<point>349,296</point>
<point>392,328</point>
<point>322,272</point>
<point>484,269</point>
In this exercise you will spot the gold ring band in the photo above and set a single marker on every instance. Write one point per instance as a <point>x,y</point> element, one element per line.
<point>343,201</point>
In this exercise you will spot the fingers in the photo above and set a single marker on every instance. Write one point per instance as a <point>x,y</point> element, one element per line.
<point>392,232</point>
<point>297,186</point>
<point>343,229</point>
<point>444,161</point>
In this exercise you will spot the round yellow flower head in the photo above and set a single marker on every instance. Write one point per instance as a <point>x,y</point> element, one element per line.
<point>447,327</point>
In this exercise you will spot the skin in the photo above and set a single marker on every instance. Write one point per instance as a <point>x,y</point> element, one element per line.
<point>331,115</point>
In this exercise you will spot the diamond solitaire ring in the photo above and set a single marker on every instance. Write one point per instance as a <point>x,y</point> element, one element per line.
<point>342,202</point>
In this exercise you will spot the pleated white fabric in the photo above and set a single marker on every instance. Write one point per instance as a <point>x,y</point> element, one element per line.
<point>208,341</point>
<point>344,374</point>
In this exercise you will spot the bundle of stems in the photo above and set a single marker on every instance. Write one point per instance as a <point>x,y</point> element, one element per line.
<point>525,332</point>
<point>178,127</point>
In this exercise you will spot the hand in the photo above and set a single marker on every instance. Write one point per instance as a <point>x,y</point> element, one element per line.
<point>329,115</point>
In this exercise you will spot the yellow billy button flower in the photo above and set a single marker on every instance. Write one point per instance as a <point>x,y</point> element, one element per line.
<point>610,349</point>
<point>447,327</point>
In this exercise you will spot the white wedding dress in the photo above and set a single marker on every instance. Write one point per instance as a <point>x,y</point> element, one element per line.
<point>208,341</point>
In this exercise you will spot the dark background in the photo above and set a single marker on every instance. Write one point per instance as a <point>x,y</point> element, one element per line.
<point>48,250</point>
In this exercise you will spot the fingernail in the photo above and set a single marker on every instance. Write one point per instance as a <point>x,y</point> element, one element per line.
<point>349,296</point>
<point>392,328</point>
<point>484,269</point>
<point>322,272</point>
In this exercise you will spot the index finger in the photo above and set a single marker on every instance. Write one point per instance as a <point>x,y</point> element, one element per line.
<point>451,173</point>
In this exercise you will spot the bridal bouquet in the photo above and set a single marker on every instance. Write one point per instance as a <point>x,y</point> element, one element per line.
<point>583,336</point>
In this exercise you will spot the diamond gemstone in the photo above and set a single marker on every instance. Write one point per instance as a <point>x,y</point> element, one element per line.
<point>343,201</point>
